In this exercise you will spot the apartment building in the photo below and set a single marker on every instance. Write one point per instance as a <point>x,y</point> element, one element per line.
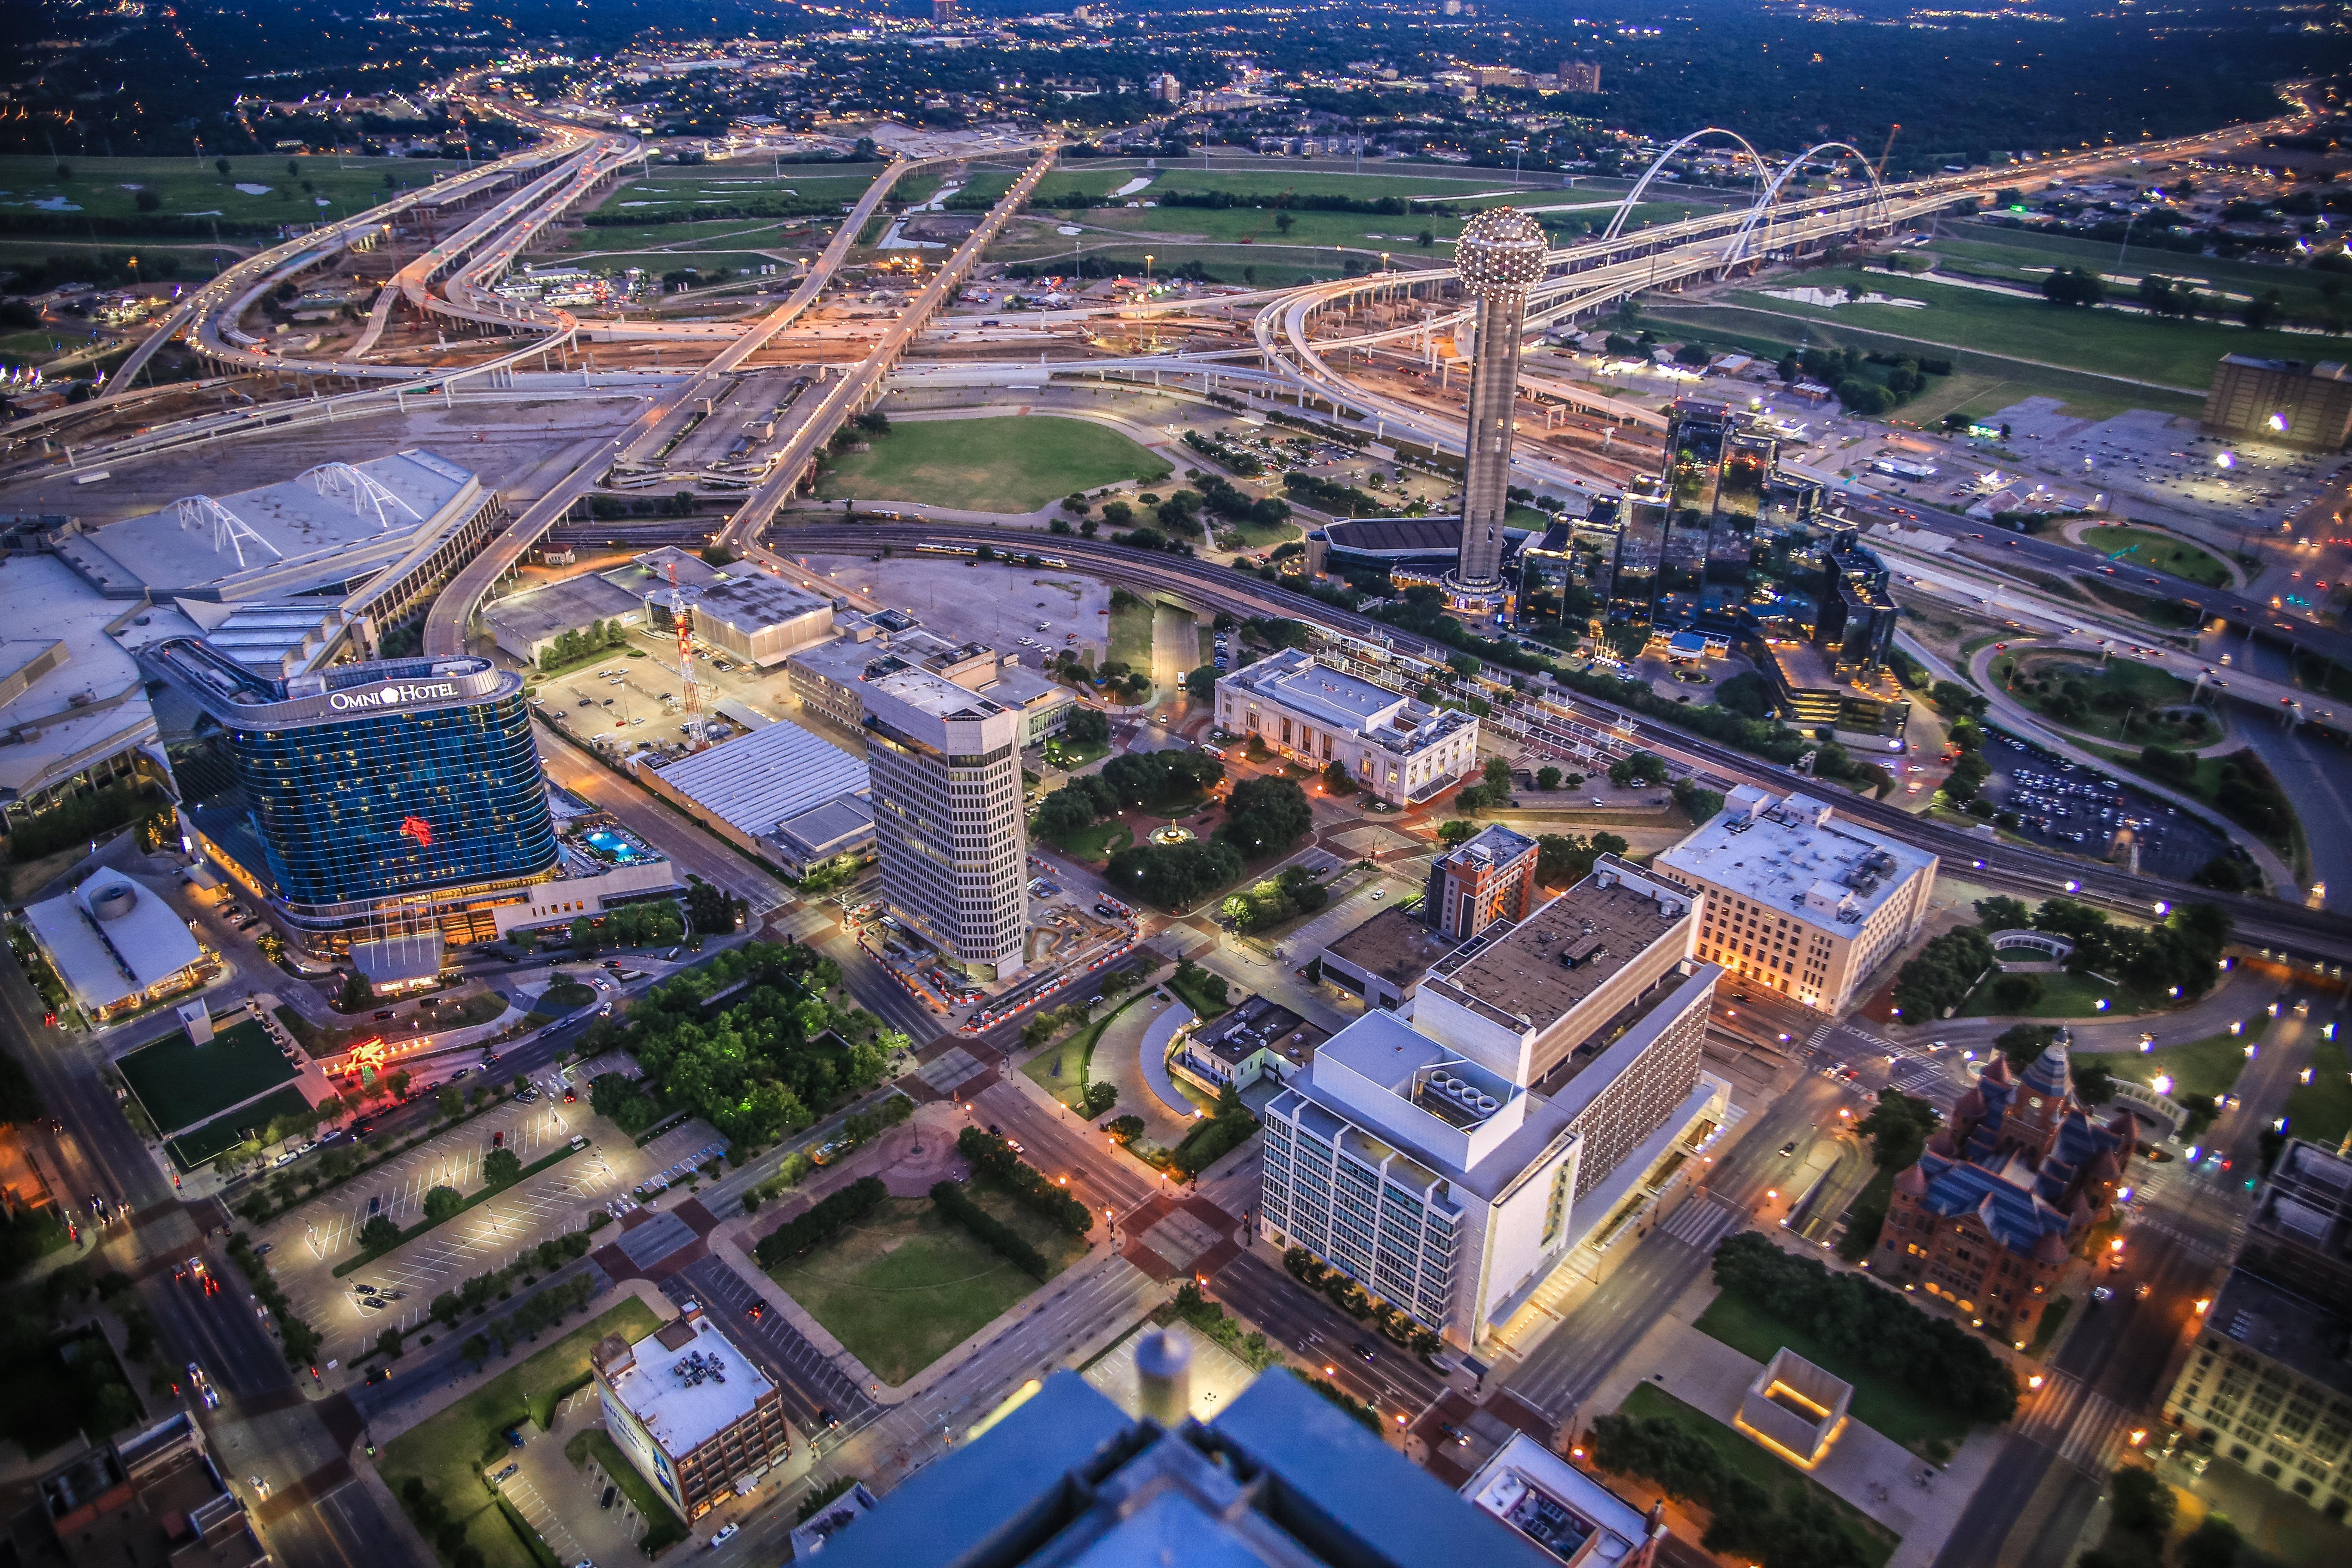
<point>1489,878</point>
<point>1795,898</point>
<point>1401,751</point>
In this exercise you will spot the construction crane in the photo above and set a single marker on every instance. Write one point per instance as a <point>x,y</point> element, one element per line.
<point>1882,152</point>
<point>689,694</point>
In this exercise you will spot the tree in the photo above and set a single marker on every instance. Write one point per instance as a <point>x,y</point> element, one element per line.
<point>1564,859</point>
<point>1548,778</point>
<point>1126,1129</point>
<point>2021,1042</point>
<point>1101,1097</point>
<point>1641,768</point>
<point>2072,286</point>
<point>387,1344</point>
<point>1898,1128</point>
<point>1284,221</point>
<point>1087,727</point>
<point>222,165</point>
<point>501,1167</point>
<point>2003,913</point>
<point>357,993</point>
<point>709,909</point>
<point>2142,1503</point>
<point>1265,816</point>
<point>396,1083</point>
<point>2212,1544</point>
<point>450,1103</point>
<point>380,1234</point>
<point>1338,779</point>
<point>442,1202</point>
<point>476,1349</point>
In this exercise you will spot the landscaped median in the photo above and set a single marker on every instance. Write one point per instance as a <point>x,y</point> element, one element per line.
<point>368,1255</point>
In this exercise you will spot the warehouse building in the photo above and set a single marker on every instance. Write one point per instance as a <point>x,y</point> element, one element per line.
<point>694,1414</point>
<point>780,792</point>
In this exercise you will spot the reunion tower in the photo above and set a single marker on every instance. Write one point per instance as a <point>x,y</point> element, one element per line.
<point>1500,256</point>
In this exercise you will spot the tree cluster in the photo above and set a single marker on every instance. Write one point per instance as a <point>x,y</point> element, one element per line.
<point>570,648</point>
<point>1942,975</point>
<point>1264,815</point>
<point>777,1053</point>
<point>1131,780</point>
<point>2180,955</point>
<point>1873,1327</point>
<point>1277,899</point>
<point>1172,876</point>
<point>1898,1128</point>
<point>821,1221</point>
<point>1746,1520</point>
<point>1564,860</point>
<point>993,1158</point>
<point>956,1204</point>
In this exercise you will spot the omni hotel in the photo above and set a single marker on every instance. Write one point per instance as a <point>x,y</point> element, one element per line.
<point>398,798</point>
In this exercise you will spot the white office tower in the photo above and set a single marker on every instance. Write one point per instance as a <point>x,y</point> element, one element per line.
<point>946,767</point>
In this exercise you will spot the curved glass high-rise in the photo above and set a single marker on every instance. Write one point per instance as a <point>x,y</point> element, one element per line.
<point>405,793</point>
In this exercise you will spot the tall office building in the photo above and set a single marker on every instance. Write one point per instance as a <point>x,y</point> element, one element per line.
<point>2267,1384</point>
<point>1535,1111</point>
<point>1500,256</point>
<point>396,797</point>
<point>946,769</point>
<point>1580,76</point>
<point>943,13</point>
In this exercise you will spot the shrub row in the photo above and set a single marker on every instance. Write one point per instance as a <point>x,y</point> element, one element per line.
<point>824,1220</point>
<point>990,1154</point>
<point>957,1205</point>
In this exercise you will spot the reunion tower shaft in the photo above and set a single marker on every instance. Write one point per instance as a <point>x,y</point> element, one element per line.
<point>1500,255</point>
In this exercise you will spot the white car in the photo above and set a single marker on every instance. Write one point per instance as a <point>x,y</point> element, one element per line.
<point>726,1533</point>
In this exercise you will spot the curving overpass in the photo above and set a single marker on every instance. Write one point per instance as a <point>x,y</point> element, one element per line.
<point>453,611</point>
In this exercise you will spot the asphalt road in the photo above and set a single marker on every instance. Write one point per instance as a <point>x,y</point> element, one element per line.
<point>1395,1382</point>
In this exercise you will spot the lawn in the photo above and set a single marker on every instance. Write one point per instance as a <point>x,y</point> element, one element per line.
<point>2064,995</point>
<point>1981,384</point>
<point>2321,1109</point>
<point>1098,842</point>
<point>1880,1403</point>
<point>222,1133</point>
<point>1131,634</point>
<point>2028,257</point>
<point>1061,1070</point>
<point>2159,551</point>
<point>109,188</point>
<point>447,1450</point>
<point>2208,1065</point>
<point>1201,1005</point>
<point>2114,694</point>
<point>180,1083</point>
<point>909,1285</point>
<point>1747,1458</point>
<point>1259,535</point>
<point>2170,353</point>
<point>1014,464</point>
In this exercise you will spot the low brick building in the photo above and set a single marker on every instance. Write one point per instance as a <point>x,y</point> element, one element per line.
<point>2002,1197</point>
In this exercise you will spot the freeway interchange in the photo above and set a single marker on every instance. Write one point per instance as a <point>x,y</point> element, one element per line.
<point>322,1514</point>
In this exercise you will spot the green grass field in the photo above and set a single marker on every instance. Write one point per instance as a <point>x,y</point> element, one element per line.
<point>2208,1065</point>
<point>1131,634</point>
<point>2027,257</point>
<point>225,1132</point>
<point>1879,1403</point>
<point>1981,384</point>
<point>1098,842</point>
<point>181,1083</point>
<point>2174,355</point>
<point>1875,1542</point>
<point>446,1451</point>
<point>109,188</point>
<point>910,1285</point>
<point>2158,552</point>
<point>2064,995</point>
<point>1012,464</point>
<point>2322,1110</point>
<point>2143,686</point>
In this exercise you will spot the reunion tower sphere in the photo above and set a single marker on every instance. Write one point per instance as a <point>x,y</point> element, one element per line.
<point>1501,251</point>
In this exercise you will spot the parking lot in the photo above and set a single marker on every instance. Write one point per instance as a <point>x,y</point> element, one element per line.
<point>2076,808</point>
<point>309,1242</point>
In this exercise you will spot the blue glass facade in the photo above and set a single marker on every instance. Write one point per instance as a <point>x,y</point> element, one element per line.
<point>404,780</point>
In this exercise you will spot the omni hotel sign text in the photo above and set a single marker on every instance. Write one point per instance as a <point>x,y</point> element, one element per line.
<point>398,694</point>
